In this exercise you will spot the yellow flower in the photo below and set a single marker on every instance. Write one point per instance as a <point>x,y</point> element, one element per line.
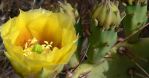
<point>39,42</point>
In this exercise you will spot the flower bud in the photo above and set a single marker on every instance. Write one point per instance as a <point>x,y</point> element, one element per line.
<point>107,14</point>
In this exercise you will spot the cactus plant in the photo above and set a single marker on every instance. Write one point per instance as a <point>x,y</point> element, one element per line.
<point>136,16</point>
<point>54,48</point>
<point>103,36</point>
<point>108,61</point>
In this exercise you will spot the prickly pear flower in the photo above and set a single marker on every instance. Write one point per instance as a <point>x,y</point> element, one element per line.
<point>39,42</point>
<point>107,15</point>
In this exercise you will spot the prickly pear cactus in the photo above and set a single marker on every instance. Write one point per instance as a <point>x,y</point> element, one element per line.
<point>100,42</point>
<point>132,64</point>
<point>136,16</point>
<point>90,39</point>
<point>126,59</point>
<point>103,36</point>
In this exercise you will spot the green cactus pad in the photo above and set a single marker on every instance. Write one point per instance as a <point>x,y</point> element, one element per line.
<point>136,16</point>
<point>100,42</point>
<point>119,66</point>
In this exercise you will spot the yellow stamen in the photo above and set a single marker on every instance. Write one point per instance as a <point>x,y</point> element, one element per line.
<point>46,42</point>
<point>33,41</point>
<point>30,44</point>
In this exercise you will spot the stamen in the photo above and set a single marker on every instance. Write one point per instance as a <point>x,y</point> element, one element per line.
<point>47,45</point>
<point>27,52</point>
<point>46,42</point>
<point>33,41</point>
<point>51,43</point>
<point>26,45</point>
<point>32,45</point>
<point>43,45</point>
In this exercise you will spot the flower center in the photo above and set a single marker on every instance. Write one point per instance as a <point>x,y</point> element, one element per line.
<point>33,45</point>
